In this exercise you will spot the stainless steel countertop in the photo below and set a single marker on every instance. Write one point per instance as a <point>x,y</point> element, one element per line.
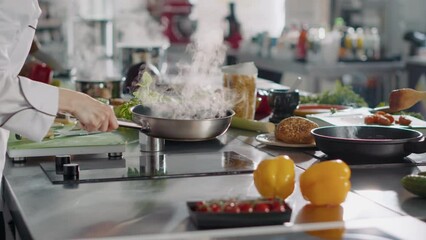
<point>156,208</point>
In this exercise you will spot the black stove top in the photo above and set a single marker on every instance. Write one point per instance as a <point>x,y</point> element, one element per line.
<point>153,165</point>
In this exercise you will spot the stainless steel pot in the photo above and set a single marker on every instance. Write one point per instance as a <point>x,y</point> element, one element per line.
<point>180,129</point>
<point>100,89</point>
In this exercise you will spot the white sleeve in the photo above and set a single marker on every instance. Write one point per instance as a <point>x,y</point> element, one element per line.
<point>27,107</point>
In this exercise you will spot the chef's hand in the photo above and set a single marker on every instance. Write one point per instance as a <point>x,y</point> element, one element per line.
<point>92,114</point>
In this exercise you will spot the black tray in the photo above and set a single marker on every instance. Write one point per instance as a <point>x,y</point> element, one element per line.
<point>210,220</point>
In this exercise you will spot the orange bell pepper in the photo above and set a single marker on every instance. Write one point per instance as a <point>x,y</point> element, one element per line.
<point>326,183</point>
<point>274,177</point>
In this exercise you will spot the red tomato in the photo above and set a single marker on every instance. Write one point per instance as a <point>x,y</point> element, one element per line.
<point>261,207</point>
<point>245,207</point>
<point>404,121</point>
<point>370,119</point>
<point>277,206</point>
<point>390,117</point>
<point>214,207</point>
<point>231,208</point>
<point>201,207</point>
<point>382,120</point>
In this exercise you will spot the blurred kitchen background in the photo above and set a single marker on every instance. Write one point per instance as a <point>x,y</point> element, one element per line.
<point>373,45</point>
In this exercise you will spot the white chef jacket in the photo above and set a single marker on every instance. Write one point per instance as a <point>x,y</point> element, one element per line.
<point>27,107</point>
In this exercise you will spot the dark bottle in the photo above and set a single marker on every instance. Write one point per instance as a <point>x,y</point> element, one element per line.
<point>233,35</point>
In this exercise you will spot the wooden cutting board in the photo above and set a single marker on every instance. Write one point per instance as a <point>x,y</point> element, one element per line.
<point>109,142</point>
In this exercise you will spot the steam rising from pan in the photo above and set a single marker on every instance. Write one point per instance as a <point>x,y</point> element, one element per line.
<point>197,91</point>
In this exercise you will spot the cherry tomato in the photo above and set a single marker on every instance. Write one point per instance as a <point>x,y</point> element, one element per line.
<point>370,119</point>
<point>404,121</point>
<point>231,208</point>
<point>390,117</point>
<point>380,113</point>
<point>245,207</point>
<point>277,206</point>
<point>261,207</point>
<point>214,207</point>
<point>382,120</point>
<point>201,207</point>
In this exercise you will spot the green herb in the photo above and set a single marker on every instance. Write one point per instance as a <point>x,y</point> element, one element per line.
<point>341,95</point>
<point>124,110</point>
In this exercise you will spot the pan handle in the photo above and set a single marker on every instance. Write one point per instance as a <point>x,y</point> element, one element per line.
<point>415,146</point>
<point>145,127</point>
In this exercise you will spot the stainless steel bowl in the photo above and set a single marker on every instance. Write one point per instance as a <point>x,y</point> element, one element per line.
<point>180,129</point>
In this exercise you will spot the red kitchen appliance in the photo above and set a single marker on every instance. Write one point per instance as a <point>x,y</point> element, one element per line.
<point>175,19</point>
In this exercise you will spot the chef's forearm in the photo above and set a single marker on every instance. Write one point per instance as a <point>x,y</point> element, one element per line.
<point>68,100</point>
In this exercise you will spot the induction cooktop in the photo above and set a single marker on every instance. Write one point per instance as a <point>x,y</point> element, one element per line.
<point>150,165</point>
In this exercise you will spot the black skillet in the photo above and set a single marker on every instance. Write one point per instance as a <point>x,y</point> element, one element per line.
<point>368,144</point>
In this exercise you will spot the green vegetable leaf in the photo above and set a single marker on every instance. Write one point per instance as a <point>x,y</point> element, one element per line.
<point>341,95</point>
<point>146,92</point>
<point>124,110</point>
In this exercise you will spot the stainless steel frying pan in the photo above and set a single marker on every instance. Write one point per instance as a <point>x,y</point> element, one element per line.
<point>180,129</point>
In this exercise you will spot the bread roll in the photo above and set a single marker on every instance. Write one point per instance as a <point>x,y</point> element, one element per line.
<point>295,130</point>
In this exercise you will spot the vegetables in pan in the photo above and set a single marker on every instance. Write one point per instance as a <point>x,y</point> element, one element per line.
<point>326,183</point>
<point>124,110</point>
<point>274,177</point>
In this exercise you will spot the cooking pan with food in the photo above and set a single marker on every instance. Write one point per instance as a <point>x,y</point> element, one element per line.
<point>180,129</point>
<point>368,144</point>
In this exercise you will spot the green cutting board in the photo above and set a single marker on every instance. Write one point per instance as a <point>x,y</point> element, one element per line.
<point>108,142</point>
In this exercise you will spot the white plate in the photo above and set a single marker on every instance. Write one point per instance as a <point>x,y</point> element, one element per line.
<point>356,117</point>
<point>269,139</point>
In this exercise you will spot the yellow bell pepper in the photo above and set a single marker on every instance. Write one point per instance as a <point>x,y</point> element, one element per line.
<point>274,177</point>
<point>326,183</point>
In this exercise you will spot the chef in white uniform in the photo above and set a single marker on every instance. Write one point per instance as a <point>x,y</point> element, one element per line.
<point>28,107</point>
